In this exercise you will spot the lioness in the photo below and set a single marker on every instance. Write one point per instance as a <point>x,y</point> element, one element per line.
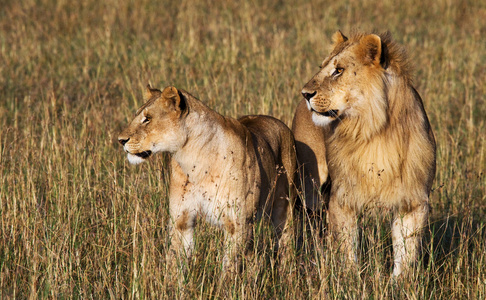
<point>229,171</point>
<point>363,123</point>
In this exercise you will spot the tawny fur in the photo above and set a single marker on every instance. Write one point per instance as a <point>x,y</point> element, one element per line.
<point>231,172</point>
<point>371,137</point>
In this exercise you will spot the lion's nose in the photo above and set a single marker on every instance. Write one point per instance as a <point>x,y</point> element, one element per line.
<point>123,141</point>
<point>308,96</point>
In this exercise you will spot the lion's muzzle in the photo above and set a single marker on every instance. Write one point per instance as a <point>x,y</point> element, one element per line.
<point>329,113</point>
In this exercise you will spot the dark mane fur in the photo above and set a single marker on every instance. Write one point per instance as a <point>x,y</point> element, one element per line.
<point>394,57</point>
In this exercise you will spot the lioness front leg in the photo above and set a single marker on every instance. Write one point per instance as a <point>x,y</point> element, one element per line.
<point>182,205</point>
<point>238,235</point>
<point>406,234</point>
<point>181,236</point>
<point>343,229</point>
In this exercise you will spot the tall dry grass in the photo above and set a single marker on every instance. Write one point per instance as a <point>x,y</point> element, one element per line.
<point>77,221</point>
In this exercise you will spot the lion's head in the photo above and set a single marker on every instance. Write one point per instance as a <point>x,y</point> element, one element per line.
<point>349,77</point>
<point>156,126</point>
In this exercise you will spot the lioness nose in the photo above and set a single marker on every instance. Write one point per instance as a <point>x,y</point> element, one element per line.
<point>123,141</point>
<point>308,96</point>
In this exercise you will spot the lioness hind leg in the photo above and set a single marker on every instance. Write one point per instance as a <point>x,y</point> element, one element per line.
<point>343,231</point>
<point>283,218</point>
<point>281,221</point>
<point>406,235</point>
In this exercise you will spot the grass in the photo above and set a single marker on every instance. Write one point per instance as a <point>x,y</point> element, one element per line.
<point>76,220</point>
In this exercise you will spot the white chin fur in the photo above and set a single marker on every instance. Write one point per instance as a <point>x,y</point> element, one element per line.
<point>321,121</point>
<point>308,105</point>
<point>134,160</point>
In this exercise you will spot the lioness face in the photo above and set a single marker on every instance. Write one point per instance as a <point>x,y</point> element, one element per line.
<point>347,76</point>
<point>156,126</point>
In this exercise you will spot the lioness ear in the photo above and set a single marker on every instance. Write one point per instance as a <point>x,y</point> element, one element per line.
<point>338,37</point>
<point>176,97</point>
<point>150,92</point>
<point>370,47</point>
<point>147,93</point>
<point>169,92</point>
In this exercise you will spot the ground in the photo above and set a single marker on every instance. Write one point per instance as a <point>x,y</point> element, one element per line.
<point>77,220</point>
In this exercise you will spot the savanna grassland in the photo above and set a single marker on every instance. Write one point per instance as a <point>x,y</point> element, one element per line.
<point>76,220</point>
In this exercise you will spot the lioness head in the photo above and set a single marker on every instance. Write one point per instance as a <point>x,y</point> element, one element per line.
<point>156,126</point>
<point>351,75</point>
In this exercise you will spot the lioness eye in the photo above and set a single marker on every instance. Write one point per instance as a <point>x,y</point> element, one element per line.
<point>146,120</point>
<point>337,71</point>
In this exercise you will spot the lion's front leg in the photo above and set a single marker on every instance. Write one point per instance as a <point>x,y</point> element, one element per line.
<point>343,230</point>
<point>406,234</point>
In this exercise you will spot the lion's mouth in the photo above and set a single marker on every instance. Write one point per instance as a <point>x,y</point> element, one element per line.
<point>143,154</point>
<point>329,113</point>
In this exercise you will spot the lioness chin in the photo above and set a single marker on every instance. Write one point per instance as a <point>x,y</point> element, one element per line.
<point>363,125</point>
<point>231,172</point>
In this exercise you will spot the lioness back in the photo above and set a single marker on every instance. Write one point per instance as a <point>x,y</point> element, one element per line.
<point>278,136</point>
<point>273,136</point>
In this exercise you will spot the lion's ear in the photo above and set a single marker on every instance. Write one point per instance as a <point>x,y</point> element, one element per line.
<point>370,47</point>
<point>176,98</point>
<point>338,37</point>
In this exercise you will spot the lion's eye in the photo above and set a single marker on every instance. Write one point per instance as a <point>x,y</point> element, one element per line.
<point>145,120</point>
<point>337,72</point>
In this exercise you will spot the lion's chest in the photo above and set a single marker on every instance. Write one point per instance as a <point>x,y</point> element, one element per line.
<point>366,174</point>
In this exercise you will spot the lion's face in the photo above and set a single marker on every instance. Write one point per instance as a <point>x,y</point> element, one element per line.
<point>348,75</point>
<point>156,126</point>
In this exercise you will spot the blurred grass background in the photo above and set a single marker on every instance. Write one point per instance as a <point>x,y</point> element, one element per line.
<point>77,221</point>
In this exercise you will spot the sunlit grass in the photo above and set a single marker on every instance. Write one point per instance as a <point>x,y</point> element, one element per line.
<point>76,220</point>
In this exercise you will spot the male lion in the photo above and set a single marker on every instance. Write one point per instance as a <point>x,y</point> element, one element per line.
<point>229,171</point>
<point>363,123</point>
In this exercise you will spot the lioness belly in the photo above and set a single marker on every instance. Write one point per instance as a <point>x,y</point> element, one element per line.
<point>222,205</point>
